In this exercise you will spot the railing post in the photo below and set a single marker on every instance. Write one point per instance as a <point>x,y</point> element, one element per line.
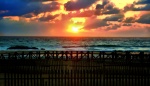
<point>81,55</point>
<point>62,55</point>
<point>9,56</point>
<point>22,55</point>
<point>141,55</point>
<point>30,55</point>
<point>53,55</point>
<point>2,56</point>
<point>48,56</point>
<point>84,77</point>
<point>128,57</point>
<point>71,55</point>
<point>15,55</point>
<point>66,53</point>
<point>88,55</point>
<point>113,56</point>
<point>77,56</point>
<point>92,56</point>
<point>39,55</point>
<point>5,79</point>
<point>57,55</point>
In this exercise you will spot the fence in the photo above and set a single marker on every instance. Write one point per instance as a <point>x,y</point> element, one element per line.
<point>74,68</point>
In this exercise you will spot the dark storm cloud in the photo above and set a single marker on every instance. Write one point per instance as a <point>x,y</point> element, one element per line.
<point>144,19</point>
<point>131,7</point>
<point>116,17</point>
<point>77,5</point>
<point>47,7</point>
<point>99,6</point>
<point>143,2</point>
<point>49,17</point>
<point>20,7</point>
<point>106,8</point>
<point>109,6</point>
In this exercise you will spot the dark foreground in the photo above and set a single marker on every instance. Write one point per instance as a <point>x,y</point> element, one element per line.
<point>76,68</point>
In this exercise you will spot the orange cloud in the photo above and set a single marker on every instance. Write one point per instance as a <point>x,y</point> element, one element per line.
<point>14,18</point>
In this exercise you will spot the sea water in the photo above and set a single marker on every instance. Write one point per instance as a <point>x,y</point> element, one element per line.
<point>78,43</point>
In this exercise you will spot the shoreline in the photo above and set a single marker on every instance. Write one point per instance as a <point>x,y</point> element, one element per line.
<point>21,50</point>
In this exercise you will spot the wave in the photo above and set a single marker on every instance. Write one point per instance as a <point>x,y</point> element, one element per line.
<point>75,46</point>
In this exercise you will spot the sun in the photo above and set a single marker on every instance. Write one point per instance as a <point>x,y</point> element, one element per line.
<point>75,29</point>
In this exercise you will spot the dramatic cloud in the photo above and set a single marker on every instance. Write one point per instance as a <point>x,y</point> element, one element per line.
<point>79,4</point>
<point>129,20</point>
<point>112,11</point>
<point>113,27</point>
<point>50,17</point>
<point>29,15</point>
<point>47,7</point>
<point>128,7</point>
<point>19,7</point>
<point>144,19</point>
<point>115,17</point>
<point>93,23</point>
<point>55,17</point>
<point>37,0</point>
<point>101,6</point>
<point>87,13</point>
<point>145,8</point>
<point>106,8</point>
<point>143,2</point>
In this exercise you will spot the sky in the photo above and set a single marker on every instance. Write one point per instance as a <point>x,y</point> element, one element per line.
<point>86,18</point>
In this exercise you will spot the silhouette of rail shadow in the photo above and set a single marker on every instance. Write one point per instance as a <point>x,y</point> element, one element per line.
<point>74,68</point>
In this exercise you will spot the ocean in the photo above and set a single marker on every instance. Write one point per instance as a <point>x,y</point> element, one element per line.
<point>78,43</point>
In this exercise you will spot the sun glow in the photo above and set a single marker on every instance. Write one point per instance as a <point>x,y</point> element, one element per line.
<point>75,29</point>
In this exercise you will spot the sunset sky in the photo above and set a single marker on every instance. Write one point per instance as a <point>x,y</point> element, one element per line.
<point>98,18</point>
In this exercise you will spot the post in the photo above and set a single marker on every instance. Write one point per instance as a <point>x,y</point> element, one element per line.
<point>92,56</point>
<point>88,55</point>
<point>113,56</point>
<point>141,55</point>
<point>128,57</point>
<point>5,76</point>
<point>77,56</point>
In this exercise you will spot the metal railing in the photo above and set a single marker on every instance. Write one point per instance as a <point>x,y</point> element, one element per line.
<point>74,68</point>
